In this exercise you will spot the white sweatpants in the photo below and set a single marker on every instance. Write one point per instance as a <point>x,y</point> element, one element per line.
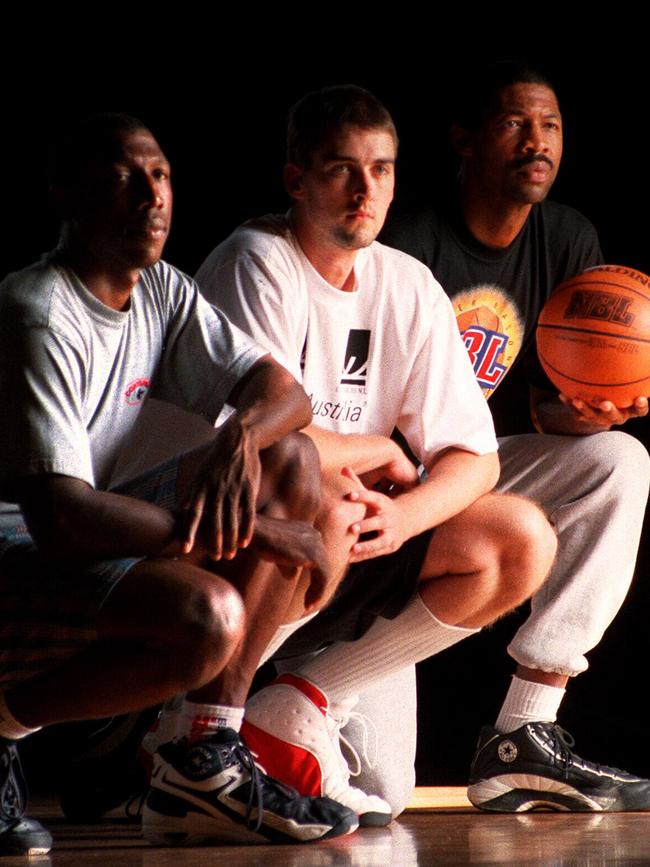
<point>594,489</point>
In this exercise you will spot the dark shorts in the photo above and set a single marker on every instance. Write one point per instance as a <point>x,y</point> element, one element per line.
<point>48,611</point>
<point>380,587</point>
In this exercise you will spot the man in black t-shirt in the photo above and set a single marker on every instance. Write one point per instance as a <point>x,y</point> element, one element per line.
<point>498,251</point>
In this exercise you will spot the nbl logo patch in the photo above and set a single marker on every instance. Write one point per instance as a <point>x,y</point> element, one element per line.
<point>484,347</point>
<point>492,331</point>
<point>355,366</point>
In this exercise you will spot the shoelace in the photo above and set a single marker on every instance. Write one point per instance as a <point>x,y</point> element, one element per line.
<point>255,797</point>
<point>338,723</point>
<point>12,802</point>
<point>562,743</point>
<point>134,805</point>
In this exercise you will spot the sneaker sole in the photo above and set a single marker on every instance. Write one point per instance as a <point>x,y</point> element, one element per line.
<point>374,820</point>
<point>25,842</point>
<point>518,793</point>
<point>170,821</point>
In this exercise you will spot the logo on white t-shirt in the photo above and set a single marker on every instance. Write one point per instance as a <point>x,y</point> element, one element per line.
<point>355,366</point>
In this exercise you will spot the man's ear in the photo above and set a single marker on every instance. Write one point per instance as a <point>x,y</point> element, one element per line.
<point>293,180</point>
<point>461,140</point>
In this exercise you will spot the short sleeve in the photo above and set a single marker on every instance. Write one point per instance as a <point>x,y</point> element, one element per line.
<point>42,388</point>
<point>256,285</point>
<point>204,355</point>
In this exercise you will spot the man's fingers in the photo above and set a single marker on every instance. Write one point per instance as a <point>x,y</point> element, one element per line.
<point>349,473</point>
<point>230,522</point>
<point>367,497</point>
<point>191,518</point>
<point>605,413</point>
<point>370,525</point>
<point>370,548</point>
<point>215,539</point>
<point>247,506</point>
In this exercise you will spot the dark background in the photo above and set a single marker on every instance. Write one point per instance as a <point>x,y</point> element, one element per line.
<point>216,93</point>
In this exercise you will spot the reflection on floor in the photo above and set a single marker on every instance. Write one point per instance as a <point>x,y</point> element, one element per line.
<point>445,833</point>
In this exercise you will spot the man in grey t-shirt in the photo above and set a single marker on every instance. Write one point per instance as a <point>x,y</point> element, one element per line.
<point>116,600</point>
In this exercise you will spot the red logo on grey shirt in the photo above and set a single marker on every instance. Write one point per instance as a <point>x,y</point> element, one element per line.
<point>136,391</point>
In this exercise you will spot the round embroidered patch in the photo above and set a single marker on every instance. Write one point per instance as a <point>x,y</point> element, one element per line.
<point>507,751</point>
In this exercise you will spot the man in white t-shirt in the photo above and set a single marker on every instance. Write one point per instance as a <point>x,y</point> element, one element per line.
<point>373,338</point>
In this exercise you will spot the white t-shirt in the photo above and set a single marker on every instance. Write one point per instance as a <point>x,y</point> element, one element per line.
<point>74,373</point>
<point>385,355</point>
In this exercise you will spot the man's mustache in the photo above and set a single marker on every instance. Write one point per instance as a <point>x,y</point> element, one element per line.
<point>532,158</point>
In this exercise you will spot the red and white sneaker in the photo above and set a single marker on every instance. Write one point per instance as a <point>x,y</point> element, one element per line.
<point>289,727</point>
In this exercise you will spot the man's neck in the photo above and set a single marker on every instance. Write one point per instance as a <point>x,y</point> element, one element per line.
<point>110,282</point>
<point>495,224</point>
<point>111,288</point>
<point>334,264</point>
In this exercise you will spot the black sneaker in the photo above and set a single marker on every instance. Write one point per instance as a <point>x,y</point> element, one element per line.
<point>212,791</point>
<point>19,835</point>
<point>535,767</point>
<point>106,777</point>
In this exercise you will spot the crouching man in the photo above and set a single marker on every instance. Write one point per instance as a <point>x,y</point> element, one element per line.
<point>116,600</point>
<point>373,338</point>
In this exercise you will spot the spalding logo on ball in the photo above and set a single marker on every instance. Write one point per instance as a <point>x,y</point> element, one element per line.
<point>593,335</point>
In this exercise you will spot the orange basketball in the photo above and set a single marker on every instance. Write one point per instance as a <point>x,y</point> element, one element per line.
<point>593,335</point>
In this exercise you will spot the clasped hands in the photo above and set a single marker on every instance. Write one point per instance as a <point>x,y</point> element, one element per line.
<point>385,521</point>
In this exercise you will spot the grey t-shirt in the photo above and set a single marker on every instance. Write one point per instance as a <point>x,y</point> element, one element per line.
<point>74,373</point>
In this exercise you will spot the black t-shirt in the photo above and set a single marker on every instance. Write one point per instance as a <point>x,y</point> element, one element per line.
<point>497,294</point>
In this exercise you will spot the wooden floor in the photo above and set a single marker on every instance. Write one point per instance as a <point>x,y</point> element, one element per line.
<point>426,836</point>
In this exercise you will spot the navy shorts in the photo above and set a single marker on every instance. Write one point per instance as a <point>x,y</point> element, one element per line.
<point>381,587</point>
<point>48,611</point>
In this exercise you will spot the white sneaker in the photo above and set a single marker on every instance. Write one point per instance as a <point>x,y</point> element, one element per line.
<point>290,729</point>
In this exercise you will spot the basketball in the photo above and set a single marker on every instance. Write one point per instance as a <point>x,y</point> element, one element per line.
<point>593,335</point>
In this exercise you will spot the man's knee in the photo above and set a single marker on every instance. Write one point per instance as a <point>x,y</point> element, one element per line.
<point>196,619</point>
<point>211,625</point>
<point>621,459</point>
<point>527,545</point>
<point>293,466</point>
<point>337,513</point>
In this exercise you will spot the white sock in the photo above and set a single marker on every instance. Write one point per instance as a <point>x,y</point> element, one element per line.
<point>527,701</point>
<point>349,667</point>
<point>281,634</point>
<point>10,728</point>
<point>197,721</point>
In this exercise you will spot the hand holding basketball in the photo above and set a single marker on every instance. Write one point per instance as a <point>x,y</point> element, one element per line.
<point>605,414</point>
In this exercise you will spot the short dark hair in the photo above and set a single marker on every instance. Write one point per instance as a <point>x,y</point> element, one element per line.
<point>92,137</point>
<point>320,113</point>
<point>478,93</point>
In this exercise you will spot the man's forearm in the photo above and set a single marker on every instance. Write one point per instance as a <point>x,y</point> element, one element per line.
<point>361,452</point>
<point>70,520</point>
<point>456,479</point>
<point>270,403</point>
